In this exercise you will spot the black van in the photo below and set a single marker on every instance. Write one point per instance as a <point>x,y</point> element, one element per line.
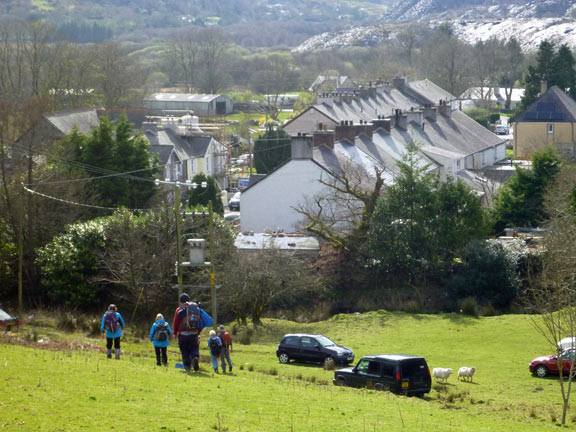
<point>399,373</point>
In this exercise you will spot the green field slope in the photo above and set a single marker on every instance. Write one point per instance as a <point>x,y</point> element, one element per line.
<point>63,382</point>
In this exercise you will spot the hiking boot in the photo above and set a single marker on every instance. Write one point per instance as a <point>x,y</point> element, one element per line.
<point>195,362</point>
<point>216,370</point>
<point>230,369</point>
<point>109,353</point>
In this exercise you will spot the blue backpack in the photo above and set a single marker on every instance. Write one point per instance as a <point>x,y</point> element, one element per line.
<point>215,346</point>
<point>190,315</point>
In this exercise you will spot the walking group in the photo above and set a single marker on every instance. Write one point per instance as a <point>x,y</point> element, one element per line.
<point>189,321</point>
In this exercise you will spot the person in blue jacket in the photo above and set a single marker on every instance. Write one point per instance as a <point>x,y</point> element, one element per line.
<point>112,325</point>
<point>160,336</point>
<point>215,346</point>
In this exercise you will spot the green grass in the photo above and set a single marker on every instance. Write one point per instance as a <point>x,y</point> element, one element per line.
<point>66,383</point>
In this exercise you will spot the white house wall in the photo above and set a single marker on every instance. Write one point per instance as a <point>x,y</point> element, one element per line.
<point>269,205</point>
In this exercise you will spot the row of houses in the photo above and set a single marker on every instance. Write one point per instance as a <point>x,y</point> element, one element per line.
<point>367,129</point>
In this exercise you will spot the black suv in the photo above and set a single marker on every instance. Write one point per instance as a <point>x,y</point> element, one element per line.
<point>312,348</point>
<point>398,373</point>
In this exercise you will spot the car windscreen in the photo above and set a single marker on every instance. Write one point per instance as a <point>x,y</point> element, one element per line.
<point>324,341</point>
<point>413,367</point>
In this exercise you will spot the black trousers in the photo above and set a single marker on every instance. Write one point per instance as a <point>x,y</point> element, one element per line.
<point>188,345</point>
<point>116,343</point>
<point>161,357</point>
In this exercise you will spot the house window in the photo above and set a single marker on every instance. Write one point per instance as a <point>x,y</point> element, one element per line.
<point>550,128</point>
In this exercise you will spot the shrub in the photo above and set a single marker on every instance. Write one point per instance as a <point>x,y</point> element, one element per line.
<point>489,274</point>
<point>66,322</point>
<point>469,306</point>
<point>244,336</point>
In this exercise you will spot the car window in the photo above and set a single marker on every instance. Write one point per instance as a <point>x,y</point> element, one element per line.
<point>362,366</point>
<point>308,342</point>
<point>324,341</point>
<point>292,341</point>
<point>387,370</point>
<point>413,366</point>
<point>373,368</point>
<point>568,355</point>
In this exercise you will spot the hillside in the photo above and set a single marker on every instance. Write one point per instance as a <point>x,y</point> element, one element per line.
<point>62,381</point>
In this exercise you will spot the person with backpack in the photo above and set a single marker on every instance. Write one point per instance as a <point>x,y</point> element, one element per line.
<point>112,325</point>
<point>215,346</point>
<point>189,320</point>
<point>226,340</point>
<point>160,337</point>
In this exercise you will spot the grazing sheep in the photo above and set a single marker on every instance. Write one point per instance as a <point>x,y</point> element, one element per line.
<point>441,374</point>
<point>466,373</point>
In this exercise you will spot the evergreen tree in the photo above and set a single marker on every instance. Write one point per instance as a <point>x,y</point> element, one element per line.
<point>201,195</point>
<point>520,201</point>
<point>420,225</point>
<point>111,149</point>
<point>556,67</point>
<point>271,149</point>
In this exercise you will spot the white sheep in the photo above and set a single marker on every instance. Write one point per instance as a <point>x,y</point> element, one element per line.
<point>441,374</point>
<point>466,373</point>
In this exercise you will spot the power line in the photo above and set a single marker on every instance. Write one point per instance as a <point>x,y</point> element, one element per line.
<point>78,204</point>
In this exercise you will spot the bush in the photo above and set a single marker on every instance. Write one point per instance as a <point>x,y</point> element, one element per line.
<point>469,306</point>
<point>494,117</point>
<point>489,274</point>
<point>66,322</point>
<point>244,336</point>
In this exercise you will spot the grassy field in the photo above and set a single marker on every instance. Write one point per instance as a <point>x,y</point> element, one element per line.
<point>58,381</point>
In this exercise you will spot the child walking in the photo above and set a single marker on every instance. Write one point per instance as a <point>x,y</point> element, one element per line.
<point>160,337</point>
<point>215,346</point>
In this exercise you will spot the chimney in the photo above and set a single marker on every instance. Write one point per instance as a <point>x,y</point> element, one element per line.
<point>345,130</point>
<point>415,117</point>
<point>365,127</point>
<point>326,99</point>
<point>302,147</point>
<point>324,137</point>
<point>399,82</point>
<point>445,108</point>
<point>543,86</point>
<point>382,123</point>
<point>429,112</point>
<point>400,120</point>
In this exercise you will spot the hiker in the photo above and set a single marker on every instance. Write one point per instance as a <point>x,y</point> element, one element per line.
<point>189,320</point>
<point>112,325</point>
<point>226,340</point>
<point>160,337</point>
<point>215,346</point>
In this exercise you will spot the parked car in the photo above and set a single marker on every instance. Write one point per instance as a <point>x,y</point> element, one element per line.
<point>8,321</point>
<point>545,365</point>
<point>502,130</point>
<point>234,203</point>
<point>569,342</point>
<point>312,348</point>
<point>398,373</point>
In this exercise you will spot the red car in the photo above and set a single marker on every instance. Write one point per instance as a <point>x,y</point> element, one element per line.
<point>542,366</point>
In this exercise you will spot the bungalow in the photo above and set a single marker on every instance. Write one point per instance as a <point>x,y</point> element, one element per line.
<point>491,97</point>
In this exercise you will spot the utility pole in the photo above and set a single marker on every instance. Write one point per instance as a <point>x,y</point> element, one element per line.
<point>178,237</point>
<point>20,256</point>
<point>212,276</point>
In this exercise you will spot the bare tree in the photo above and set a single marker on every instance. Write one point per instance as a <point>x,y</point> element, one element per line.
<point>139,258</point>
<point>114,74</point>
<point>552,291</point>
<point>255,281</point>
<point>183,52</point>
<point>342,215</point>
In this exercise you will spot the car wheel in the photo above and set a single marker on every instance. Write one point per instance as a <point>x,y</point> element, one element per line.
<point>283,358</point>
<point>329,363</point>
<point>378,387</point>
<point>341,382</point>
<point>541,371</point>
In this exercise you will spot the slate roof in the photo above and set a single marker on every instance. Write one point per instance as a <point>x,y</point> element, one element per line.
<point>163,152</point>
<point>554,106</point>
<point>84,120</point>
<point>185,147</point>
